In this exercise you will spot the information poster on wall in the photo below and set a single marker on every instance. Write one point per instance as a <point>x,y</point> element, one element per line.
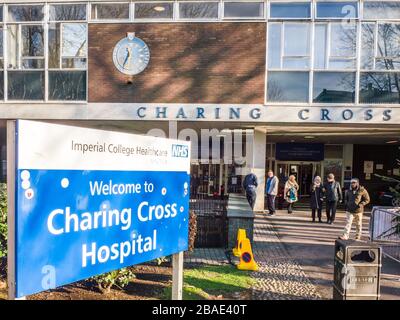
<point>368,167</point>
<point>91,201</point>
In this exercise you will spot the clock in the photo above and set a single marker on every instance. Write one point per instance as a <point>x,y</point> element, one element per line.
<point>131,55</point>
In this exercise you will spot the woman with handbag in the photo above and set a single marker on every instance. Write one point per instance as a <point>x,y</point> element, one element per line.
<point>291,188</point>
<point>317,198</point>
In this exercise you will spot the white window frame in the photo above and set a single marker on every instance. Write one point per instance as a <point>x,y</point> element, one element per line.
<point>95,19</point>
<point>178,11</point>
<point>263,17</point>
<point>288,18</point>
<point>337,18</point>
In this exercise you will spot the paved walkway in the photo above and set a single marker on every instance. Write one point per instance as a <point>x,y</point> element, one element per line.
<point>296,258</point>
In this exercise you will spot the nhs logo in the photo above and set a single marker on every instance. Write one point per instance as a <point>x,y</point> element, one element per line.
<point>180,150</point>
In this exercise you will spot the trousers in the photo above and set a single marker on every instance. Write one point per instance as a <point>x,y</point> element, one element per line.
<point>331,210</point>
<point>350,217</point>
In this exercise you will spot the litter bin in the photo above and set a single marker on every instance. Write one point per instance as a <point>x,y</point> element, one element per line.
<point>357,269</point>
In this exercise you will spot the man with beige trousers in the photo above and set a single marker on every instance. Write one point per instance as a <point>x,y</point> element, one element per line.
<point>356,198</point>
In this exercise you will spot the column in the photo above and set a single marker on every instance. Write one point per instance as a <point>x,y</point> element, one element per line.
<point>257,165</point>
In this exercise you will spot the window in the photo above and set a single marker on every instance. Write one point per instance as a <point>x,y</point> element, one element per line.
<point>289,45</point>
<point>382,10</point>
<point>105,11</point>
<point>26,47</point>
<point>288,86</point>
<point>20,13</point>
<point>67,85</point>
<point>380,87</point>
<point>153,10</point>
<point>382,53</point>
<point>25,85</point>
<point>327,10</point>
<point>198,10</point>
<point>290,10</point>
<point>243,9</point>
<point>334,87</point>
<point>69,12</point>
<point>335,46</point>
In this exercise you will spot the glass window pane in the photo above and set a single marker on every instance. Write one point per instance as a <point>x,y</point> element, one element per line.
<point>25,13</point>
<point>32,41</point>
<point>64,12</point>
<point>1,85</point>
<point>379,87</point>
<point>290,10</point>
<point>206,10</point>
<point>367,46</point>
<point>296,63</point>
<point>297,39</point>
<point>320,46</point>
<point>388,47</point>
<point>74,38</point>
<point>105,11</point>
<point>343,40</point>
<point>12,47</point>
<point>32,63</point>
<point>153,10</point>
<point>54,45</point>
<point>288,86</point>
<point>274,45</point>
<point>73,63</point>
<point>1,13</point>
<point>337,10</point>
<point>243,9</point>
<point>1,42</point>
<point>67,85</point>
<point>334,87</point>
<point>25,85</point>
<point>382,10</point>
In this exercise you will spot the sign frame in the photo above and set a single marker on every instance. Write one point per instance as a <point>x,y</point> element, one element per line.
<point>12,159</point>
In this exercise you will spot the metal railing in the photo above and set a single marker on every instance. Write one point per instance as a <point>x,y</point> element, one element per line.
<point>384,228</point>
<point>211,221</point>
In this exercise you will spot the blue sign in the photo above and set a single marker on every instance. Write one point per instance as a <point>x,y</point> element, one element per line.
<point>72,224</point>
<point>300,151</point>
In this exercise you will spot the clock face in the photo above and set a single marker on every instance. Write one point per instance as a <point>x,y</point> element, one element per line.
<point>131,55</point>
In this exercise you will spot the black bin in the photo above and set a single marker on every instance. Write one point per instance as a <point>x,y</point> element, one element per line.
<point>357,269</point>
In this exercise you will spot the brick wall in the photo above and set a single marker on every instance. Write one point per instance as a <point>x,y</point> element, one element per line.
<point>189,63</point>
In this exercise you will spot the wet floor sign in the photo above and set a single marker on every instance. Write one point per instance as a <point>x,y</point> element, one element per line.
<point>244,252</point>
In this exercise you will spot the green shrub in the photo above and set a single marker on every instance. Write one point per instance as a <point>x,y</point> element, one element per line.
<point>119,278</point>
<point>3,220</point>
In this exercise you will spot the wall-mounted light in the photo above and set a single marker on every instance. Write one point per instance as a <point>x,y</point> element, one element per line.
<point>392,141</point>
<point>309,137</point>
<point>159,8</point>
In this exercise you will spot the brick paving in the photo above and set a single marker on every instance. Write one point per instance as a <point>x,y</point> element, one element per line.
<point>279,276</point>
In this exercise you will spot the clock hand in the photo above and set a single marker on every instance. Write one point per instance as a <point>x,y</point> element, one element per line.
<point>128,54</point>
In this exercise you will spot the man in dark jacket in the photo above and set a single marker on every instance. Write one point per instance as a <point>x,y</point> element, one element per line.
<point>356,198</point>
<point>250,184</point>
<point>333,194</point>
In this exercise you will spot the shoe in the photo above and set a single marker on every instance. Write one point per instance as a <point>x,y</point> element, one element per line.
<point>358,238</point>
<point>271,213</point>
<point>319,221</point>
<point>313,220</point>
<point>330,222</point>
<point>343,238</point>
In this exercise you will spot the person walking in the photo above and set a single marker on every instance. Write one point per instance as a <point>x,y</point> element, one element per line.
<point>333,195</point>
<point>271,189</point>
<point>356,198</point>
<point>290,192</point>
<point>316,199</point>
<point>250,184</point>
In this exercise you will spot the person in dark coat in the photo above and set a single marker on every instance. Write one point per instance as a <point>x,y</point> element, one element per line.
<point>316,199</point>
<point>333,195</point>
<point>250,184</point>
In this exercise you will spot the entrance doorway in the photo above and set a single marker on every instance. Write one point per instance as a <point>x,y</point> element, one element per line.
<point>304,173</point>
